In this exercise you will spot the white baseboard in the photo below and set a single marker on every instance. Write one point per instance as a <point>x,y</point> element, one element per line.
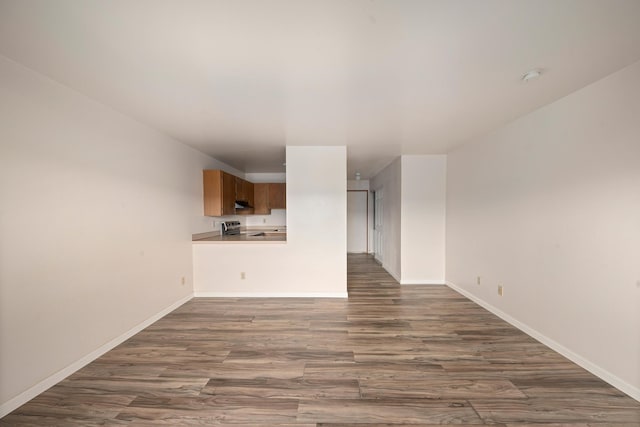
<point>208,294</point>
<point>413,282</point>
<point>422,282</point>
<point>596,370</point>
<point>47,383</point>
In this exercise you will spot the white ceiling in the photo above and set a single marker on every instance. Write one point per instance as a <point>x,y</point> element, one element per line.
<point>241,79</point>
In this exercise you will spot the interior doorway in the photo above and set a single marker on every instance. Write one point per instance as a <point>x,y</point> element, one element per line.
<point>357,221</point>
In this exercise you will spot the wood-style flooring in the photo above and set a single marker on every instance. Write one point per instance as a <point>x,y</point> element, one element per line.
<point>387,356</point>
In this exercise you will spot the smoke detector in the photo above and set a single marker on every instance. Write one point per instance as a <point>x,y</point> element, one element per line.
<point>531,75</point>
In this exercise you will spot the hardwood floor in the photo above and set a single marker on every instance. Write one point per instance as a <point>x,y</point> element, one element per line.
<point>389,356</point>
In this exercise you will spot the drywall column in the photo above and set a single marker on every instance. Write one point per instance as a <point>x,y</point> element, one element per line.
<point>549,206</point>
<point>413,218</point>
<point>422,220</point>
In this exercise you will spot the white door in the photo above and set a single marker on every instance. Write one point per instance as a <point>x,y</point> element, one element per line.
<point>357,224</point>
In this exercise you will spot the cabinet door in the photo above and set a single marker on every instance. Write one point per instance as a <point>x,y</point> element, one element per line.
<point>212,191</point>
<point>241,189</point>
<point>228,194</point>
<point>249,191</point>
<point>261,199</point>
<point>278,196</point>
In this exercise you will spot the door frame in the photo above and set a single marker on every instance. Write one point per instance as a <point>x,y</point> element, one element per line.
<point>378,224</point>
<point>367,214</point>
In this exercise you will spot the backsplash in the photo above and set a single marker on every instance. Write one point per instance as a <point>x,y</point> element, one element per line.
<point>278,217</point>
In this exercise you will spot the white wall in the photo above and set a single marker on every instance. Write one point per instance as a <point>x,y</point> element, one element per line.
<point>549,207</point>
<point>266,177</point>
<point>423,200</point>
<point>360,184</point>
<point>313,260</point>
<point>389,181</point>
<point>96,217</point>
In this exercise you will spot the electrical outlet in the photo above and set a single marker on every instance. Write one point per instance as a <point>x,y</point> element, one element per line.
<point>264,220</point>
<point>500,290</point>
<point>478,280</point>
<point>183,281</point>
<point>243,275</point>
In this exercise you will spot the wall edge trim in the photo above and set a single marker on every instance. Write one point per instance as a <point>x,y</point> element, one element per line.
<point>603,374</point>
<point>423,282</point>
<point>209,294</point>
<point>33,391</point>
<point>392,273</point>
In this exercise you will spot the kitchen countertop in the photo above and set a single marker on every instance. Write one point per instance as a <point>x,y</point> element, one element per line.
<point>245,236</point>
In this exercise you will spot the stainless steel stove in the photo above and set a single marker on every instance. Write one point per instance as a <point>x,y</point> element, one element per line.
<point>230,227</point>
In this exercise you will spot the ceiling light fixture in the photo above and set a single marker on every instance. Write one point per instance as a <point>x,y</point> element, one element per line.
<point>531,75</point>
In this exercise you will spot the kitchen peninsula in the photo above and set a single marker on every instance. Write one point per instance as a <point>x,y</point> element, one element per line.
<point>249,235</point>
<point>311,262</point>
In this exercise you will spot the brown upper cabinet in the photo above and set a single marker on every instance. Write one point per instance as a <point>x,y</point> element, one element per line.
<point>269,196</point>
<point>244,191</point>
<point>222,190</point>
<point>261,199</point>
<point>219,190</point>
<point>278,196</point>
